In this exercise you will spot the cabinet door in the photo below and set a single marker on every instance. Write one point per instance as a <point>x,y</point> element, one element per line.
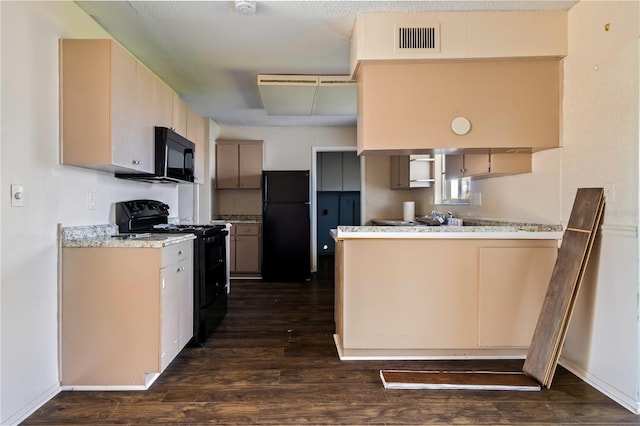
<point>331,171</point>
<point>399,172</point>
<point>507,163</point>
<point>476,164</point>
<point>184,270</point>
<point>144,130</point>
<point>227,166</point>
<point>179,115</point>
<point>250,165</point>
<point>350,171</point>
<point>162,104</point>
<point>512,284</point>
<point>123,107</point>
<point>248,253</point>
<point>195,133</point>
<point>328,214</point>
<point>169,315</point>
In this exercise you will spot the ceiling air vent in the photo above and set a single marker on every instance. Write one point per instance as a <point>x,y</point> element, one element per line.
<point>417,39</point>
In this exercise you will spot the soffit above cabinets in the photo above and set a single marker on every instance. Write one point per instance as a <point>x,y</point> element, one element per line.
<point>308,94</point>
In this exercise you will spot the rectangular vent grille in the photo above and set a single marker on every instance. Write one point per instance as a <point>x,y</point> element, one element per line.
<point>417,38</point>
<point>423,38</point>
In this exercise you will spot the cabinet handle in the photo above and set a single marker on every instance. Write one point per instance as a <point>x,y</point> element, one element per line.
<point>137,162</point>
<point>180,269</point>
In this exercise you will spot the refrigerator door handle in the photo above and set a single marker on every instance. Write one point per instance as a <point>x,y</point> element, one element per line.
<point>265,188</point>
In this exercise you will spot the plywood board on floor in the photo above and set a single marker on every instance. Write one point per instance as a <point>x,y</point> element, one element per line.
<point>472,380</point>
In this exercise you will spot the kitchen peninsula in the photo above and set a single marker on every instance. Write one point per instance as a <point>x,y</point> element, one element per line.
<point>407,292</point>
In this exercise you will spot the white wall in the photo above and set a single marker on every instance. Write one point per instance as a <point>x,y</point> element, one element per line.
<point>530,197</point>
<point>601,110</point>
<point>53,194</point>
<point>289,148</point>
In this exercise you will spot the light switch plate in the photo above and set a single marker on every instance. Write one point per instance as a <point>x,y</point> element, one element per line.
<point>17,195</point>
<point>91,200</point>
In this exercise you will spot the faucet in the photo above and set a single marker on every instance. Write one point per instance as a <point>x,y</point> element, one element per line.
<point>438,216</point>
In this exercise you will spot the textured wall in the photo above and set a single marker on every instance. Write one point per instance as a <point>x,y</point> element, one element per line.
<point>601,147</point>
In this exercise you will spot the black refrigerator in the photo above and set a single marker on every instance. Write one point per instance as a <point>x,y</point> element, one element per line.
<point>286,226</point>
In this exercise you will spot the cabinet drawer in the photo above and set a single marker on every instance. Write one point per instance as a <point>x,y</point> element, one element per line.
<point>247,229</point>
<point>177,252</point>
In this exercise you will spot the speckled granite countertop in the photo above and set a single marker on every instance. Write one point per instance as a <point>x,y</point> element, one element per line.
<point>239,218</point>
<point>473,229</point>
<point>102,236</point>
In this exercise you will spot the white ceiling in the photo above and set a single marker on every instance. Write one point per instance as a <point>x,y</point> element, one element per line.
<point>211,54</point>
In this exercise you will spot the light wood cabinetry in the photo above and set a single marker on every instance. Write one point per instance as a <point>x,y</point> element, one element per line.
<point>196,134</point>
<point>487,165</point>
<point>338,171</point>
<point>238,164</point>
<point>409,106</point>
<point>439,297</point>
<point>176,322</point>
<point>126,313</point>
<point>110,106</point>
<point>412,171</point>
<point>245,249</point>
<point>179,115</point>
<point>103,90</point>
<point>162,104</point>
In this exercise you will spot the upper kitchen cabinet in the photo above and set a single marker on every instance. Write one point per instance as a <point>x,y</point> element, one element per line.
<point>162,104</point>
<point>180,113</point>
<point>238,164</point>
<point>479,166</point>
<point>338,171</point>
<point>196,134</point>
<point>409,107</point>
<point>412,171</point>
<point>105,94</point>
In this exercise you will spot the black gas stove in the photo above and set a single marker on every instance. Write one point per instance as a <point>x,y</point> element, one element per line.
<point>209,259</point>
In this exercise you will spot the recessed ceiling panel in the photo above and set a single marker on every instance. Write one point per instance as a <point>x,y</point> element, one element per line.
<point>337,95</point>
<point>288,94</point>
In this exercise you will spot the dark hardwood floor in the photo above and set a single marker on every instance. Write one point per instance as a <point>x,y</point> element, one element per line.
<point>273,361</point>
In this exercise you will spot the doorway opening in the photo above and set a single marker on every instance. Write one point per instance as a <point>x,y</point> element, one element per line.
<point>336,193</point>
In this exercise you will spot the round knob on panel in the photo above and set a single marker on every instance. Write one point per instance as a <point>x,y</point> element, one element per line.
<point>460,125</point>
<point>18,195</point>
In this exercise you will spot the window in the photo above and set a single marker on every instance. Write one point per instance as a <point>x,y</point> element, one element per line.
<point>450,191</point>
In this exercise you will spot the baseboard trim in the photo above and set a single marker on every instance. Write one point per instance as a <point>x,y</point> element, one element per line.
<point>149,378</point>
<point>31,408</point>
<point>435,355</point>
<point>615,394</point>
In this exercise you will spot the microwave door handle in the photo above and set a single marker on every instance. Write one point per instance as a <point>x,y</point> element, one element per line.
<point>188,153</point>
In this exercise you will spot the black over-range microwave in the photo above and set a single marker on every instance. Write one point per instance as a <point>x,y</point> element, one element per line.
<point>174,159</point>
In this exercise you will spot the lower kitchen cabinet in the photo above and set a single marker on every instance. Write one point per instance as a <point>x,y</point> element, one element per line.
<point>439,297</point>
<point>245,249</point>
<point>126,313</point>
<point>508,313</point>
